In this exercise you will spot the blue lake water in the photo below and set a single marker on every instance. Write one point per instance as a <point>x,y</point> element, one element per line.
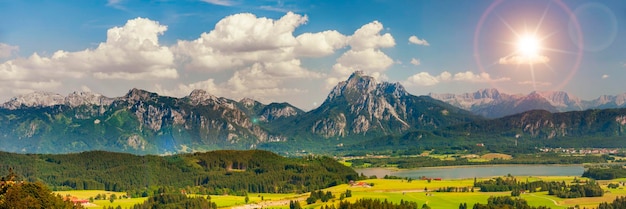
<point>463,172</point>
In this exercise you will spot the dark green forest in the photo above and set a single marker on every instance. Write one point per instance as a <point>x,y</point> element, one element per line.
<point>18,194</point>
<point>605,173</point>
<point>503,202</point>
<point>175,201</point>
<point>373,203</point>
<point>217,172</point>
<point>559,189</point>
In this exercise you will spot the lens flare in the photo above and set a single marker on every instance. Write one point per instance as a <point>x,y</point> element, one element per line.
<point>528,46</point>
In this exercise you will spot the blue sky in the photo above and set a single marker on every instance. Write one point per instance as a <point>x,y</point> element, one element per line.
<point>296,51</point>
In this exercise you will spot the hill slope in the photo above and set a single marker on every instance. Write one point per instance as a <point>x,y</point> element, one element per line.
<point>216,172</point>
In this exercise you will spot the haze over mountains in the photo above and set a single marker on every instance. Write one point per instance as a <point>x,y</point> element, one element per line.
<point>493,104</point>
<point>356,111</point>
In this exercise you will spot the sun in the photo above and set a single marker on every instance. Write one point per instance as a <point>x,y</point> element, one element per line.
<point>529,46</point>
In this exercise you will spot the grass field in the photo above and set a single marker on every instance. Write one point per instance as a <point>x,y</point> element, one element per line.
<point>86,194</point>
<point>393,190</point>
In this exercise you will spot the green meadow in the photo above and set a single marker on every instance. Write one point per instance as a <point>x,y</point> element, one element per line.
<point>393,190</point>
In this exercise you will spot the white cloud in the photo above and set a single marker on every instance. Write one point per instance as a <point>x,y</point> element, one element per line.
<point>534,83</point>
<point>131,52</point>
<point>220,2</point>
<point>243,39</point>
<point>7,50</point>
<point>364,54</point>
<point>183,90</point>
<point>423,79</point>
<point>369,61</point>
<point>520,60</point>
<point>416,62</point>
<point>416,40</point>
<point>605,76</point>
<point>369,37</point>
<point>319,44</point>
<point>426,79</point>
<point>245,32</point>
<point>117,4</point>
<point>261,53</point>
<point>471,77</point>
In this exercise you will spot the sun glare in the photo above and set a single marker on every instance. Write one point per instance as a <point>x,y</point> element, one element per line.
<point>528,46</point>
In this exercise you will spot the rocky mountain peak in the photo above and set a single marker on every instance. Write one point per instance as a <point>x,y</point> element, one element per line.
<point>199,95</point>
<point>562,100</point>
<point>394,89</point>
<point>358,83</point>
<point>248,102</point>
<point>140,95</point>
<point>76,99</point>
<point>35,99</point>
<point>487,93</point>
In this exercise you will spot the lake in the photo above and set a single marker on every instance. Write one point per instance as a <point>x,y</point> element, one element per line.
<point>464,172</point>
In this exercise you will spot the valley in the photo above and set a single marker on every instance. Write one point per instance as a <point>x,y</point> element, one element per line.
<point>208,150</point>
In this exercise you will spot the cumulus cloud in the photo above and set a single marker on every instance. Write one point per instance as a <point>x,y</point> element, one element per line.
<point>370,60</point>
<point>261,53</point>
<point>7,50</point>
<point>605,76</point>
<point>417,41</point>
<point>243,39</point>
<point>364,54</point>
<point>416,62</point>
<point>131,52</point>
<point>369,37</point>
<point>319,44</point>
<point>185,89</point>
<point>521,60</point>
<point>426,79</point>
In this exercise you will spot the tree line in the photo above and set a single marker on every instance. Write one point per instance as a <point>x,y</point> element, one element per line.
<point>605,172</point>
<point>374,203</point>
<point>500,202</point>
<point>423,161</point>
<point>18,194</point>
<point>559,189</point>
<point>217,172</point>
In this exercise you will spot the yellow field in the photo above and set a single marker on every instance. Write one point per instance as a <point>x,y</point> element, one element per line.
<point>492,156</point>
<point>86,194</point>
<point>393,190</point>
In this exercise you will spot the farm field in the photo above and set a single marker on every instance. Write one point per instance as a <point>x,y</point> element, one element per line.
<point>86,194</point>
<point>393,190</point>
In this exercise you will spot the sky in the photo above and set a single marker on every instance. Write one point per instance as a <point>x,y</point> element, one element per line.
<point>296,50</point>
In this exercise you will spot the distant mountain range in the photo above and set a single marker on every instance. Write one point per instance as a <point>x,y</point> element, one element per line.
<point>491,103</point>
<point>358,112</point>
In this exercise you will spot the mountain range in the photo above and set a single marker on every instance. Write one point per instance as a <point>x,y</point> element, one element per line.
<point>357,112</point>
<point>491,103</point>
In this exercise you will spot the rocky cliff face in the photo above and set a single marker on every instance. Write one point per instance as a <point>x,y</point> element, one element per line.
<point>541,124</point>
<point>362,106</point>
<point>140,121</point>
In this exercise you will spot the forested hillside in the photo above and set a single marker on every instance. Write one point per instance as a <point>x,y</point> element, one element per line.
<point>218,172</point>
